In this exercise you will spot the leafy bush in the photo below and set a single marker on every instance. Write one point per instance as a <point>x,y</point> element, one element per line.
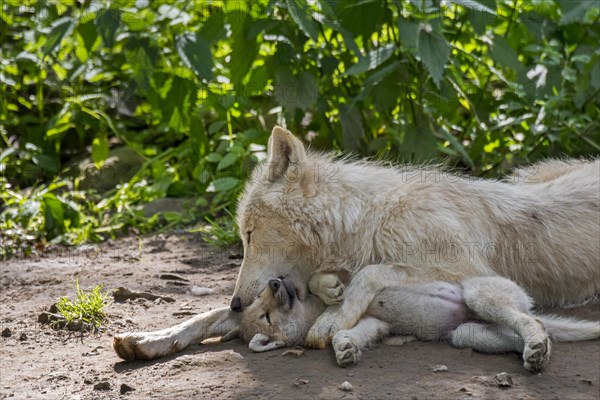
<point>194,87</point>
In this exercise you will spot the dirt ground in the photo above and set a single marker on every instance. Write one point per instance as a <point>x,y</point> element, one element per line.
<point>38,362</point>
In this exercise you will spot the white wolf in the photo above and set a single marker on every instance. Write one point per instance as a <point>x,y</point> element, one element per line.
<point>304,212</point>
<point>491,315</point>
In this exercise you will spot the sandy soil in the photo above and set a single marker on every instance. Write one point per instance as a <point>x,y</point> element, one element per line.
<point>39,362</point>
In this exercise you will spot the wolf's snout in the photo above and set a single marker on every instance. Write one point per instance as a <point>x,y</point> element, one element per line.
<point>236,304</point>
<point>274,284</point>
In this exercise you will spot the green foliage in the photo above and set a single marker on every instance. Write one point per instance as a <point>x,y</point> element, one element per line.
<point>194,87</point>
<point>86,309</point>
<point>220,233</point>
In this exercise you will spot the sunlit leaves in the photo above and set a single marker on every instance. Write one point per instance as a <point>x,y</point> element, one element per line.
<point>99,150</point>
<point>373,60</point>
<point>107,22</point>
<point>434,50</point>
<point>195,54</point>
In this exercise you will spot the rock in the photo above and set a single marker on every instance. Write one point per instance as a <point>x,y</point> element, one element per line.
<point>168,204</point>
<point>173,277</point>
<point>587,381</point>
<point>439,368</point>
<point>23,337</point>
<point>299,382</point>
<point>346,387</point>
<point>120,166</point>
<point>122,294</point>
<point>104,385</point>
<point>201,291</point>
<point>6,332</point>
<point>504,380</point>
<point>125,388</point>
<point>87,380</point>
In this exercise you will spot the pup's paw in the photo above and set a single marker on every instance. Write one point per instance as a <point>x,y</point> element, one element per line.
<point>327,287</point>
<point>144,346</point>
<point>347,351</point>
<point>536,353</point>
<point>320,334</point>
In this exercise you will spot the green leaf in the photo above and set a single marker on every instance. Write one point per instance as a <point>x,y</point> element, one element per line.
<point>295,91</point>
<point>409,33</point>
<point>364,17</point>
<point>195,54</point>
<point>99,150</point>
<point>224,184</point>
<point>419,144</point>
<point>54,223</point>
<point>373,60</point>
<point>503,54</point>
<point>46,162</point>
<point>574,10</point>
<point>60,27</point>
<point>301,14</point>
<point>352,127</point>
<point>107,22</point>
<point>485,6</point>
<point>229,159</point>
<point>434,51</point>
<point>243,49</point>
<point>214,157</point>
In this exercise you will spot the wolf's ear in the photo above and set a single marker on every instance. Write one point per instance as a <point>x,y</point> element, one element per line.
<point>285,151</point>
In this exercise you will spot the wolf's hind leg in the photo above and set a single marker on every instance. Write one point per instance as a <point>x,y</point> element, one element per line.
<point>502,301</point>
<point>486,338</point>
<point>348,344</point>
<point>358,295</point>
<point>150,345</point>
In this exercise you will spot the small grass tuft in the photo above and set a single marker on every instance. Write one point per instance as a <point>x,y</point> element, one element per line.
<point>86,309</point>
<point>219,233</point>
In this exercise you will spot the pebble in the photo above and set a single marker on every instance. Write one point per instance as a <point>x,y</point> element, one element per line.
<point>125,388</point>
<point>346,386</point>
<point>439,368</point>
<point>201,291</point>
<point>104,385</point>
<point>23,337</point>
<point>6,332</point>
<point>504,380</point>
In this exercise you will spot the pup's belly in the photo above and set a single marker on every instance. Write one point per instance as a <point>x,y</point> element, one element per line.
<point>428,311</point>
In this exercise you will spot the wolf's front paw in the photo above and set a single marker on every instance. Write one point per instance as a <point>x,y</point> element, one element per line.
<point>327,287</point>
<point>144,346</point>
<point>347,350</point>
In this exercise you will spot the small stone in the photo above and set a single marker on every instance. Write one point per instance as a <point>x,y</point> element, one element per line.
<point>104,385</point>
<point>201,291</point>
<point>23,337</point>
<point>587,381</point>
<point>6,332</point>
<point>295,352</point>
<point>350,374</point>
<point>299,382</point>
<point>439,368</point>
<point>504,380</point>
<point>87,380</point>
<point>125,388</point>
<point>346,386</point>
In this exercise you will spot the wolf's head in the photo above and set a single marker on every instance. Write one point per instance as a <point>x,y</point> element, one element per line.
<point>280,219</point>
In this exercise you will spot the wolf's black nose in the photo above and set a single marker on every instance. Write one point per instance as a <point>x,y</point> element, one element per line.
<point>274,284</point>
<point>236,304</point>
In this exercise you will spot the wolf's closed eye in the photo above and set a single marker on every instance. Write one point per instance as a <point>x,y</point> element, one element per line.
<point>248,236</point>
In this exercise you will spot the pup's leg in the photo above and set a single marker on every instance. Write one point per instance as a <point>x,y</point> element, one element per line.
<point>487,338</point>
<point>327,286</point>
<point>150,345</point>
<point>500,300</point>
<point>348,344</point>
<point>358,295</point>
